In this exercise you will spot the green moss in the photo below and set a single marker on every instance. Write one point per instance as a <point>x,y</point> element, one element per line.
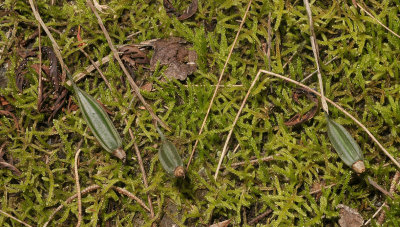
<point>364,80</point>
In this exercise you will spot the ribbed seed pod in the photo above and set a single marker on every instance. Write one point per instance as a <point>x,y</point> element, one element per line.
<point>346,147</point>
<point>169,157</point>
<point>99,122</point>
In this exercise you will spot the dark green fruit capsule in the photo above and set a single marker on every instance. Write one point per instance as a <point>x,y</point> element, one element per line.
<point>346,147</point>
<point>169,157</point>
<point>99,122</point>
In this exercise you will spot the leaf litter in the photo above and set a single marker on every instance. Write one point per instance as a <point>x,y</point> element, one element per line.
<point>176,54</point>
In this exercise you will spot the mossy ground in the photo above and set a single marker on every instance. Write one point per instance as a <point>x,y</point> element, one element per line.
<point>364,79</point>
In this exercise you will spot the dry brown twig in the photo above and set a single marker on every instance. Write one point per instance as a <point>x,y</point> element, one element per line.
<point>121,64</point>
<point>380,23</point>
<point>97,68</point>
<point>14,218</point>
<point>140,161</point>
<point>53,41</point>
<point>315,49</point>
<point>219,82</point>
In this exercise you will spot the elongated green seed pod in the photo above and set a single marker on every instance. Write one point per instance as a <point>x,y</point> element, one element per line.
<point>99,122</point>
<point>346,147</point>
<point>169,157</point>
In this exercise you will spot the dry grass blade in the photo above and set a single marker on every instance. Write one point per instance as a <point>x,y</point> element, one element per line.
<point>269,41</point>
<point>14,218</point>
<point>121,64</point>
<point>255,161</point>
<point>140,161</point>
<point>380,23</point>
<point>78,188</point>
<point>97,68</point>
<point>219,82</point>
<point>380,188</point>
<point>224,150</point>
<point>314,46</point>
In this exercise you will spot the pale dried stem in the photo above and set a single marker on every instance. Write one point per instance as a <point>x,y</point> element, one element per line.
<point>219,82</point>
<point>131,196</point>
<point>311,74</point>
<point>90,68</point>
<point>255,161</point>
<point>310,90</point>
<point>53,41</point>
<point>315,49</point>
<point>380,23</point>
<point>225,148</point>
<point>78,189</point>
<point>97,68</point>
<point>269,41</point>
<point>40,86</point>
<point>14,218</point>
<point>140,161</point>
<point>121,64</point>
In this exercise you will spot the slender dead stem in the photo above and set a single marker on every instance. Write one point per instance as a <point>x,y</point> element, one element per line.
<point>78,188</point>
<point>85,191</point>
<point>53,41</point>
<point>116,56</point>
<point>97,67</point>
<point>259,217</point>
<point>40,86</point>
<point>233,125</point>
<point>139,157</point>
<point>90,68</point>
<point>218,84</point>
<point>255,161</point>
<point>315,49</point>
<point>380,23</point>
<point>269,41</point>
<point>310,75</point>
<point>14,218</point>
<point>132,196</point>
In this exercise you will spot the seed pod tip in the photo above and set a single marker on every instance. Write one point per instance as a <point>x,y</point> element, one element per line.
<point>358,166</point>
<point>120,153</point>
<point>179,171</point>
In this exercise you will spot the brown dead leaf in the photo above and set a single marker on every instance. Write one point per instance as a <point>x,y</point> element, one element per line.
<point>349,217</point>
<point>174,52</point>
<point>221,224</point>
<point>147,86</point>
<point>190,11</point>
<point>133,55</point>
<point>298,118</point>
